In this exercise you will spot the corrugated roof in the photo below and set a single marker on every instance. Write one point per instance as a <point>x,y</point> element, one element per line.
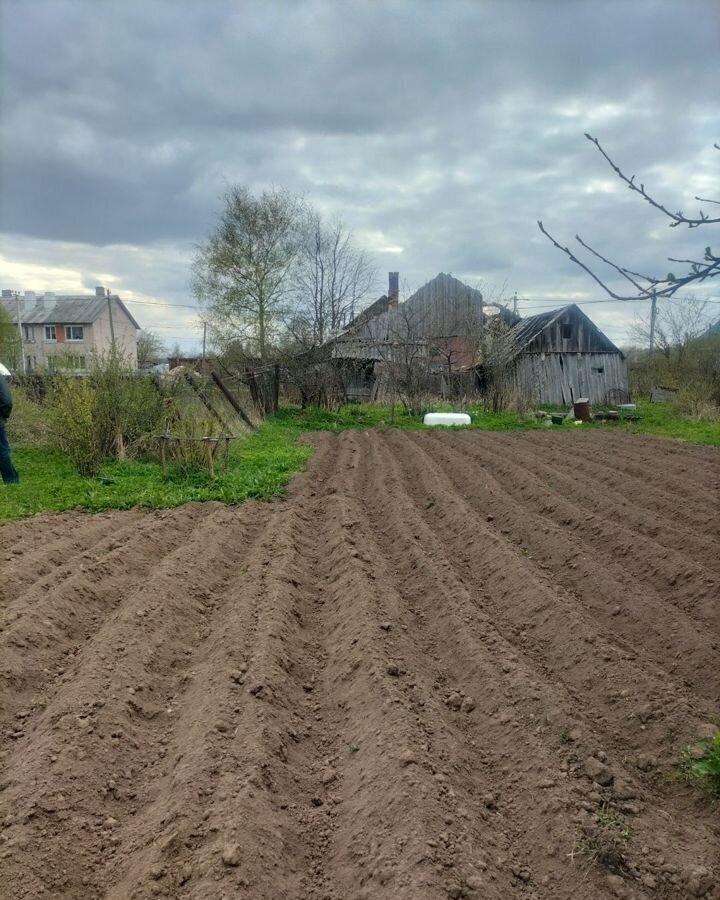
<point>63,308</point>
<point>524,333</point>
<point>528,329</point>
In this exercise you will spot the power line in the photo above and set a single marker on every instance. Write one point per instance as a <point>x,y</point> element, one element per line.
<point>160,303</point>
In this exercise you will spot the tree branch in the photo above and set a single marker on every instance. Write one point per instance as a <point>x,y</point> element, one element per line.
<point>678,218</point>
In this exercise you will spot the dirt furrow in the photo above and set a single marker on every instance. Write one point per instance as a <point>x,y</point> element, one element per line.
<point>47,627</point>
<point>446,665</point>
<point>114,705</point>
<point>639,476</point>
<point>689,543</point>
<point>693,588</point>
<point>650,622</point>
<point>628,755</point>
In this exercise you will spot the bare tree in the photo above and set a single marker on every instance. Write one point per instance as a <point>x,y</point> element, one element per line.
<point>331,282</point>
<point>677,324</point>
<point>497,352</point>
<point>150,349</point>
<point>406,358</point>
<point>642,285</point>
<point>241,274</point>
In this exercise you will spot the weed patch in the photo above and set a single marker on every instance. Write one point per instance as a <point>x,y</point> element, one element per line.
<point>701,764</point>
<point>604,843</point>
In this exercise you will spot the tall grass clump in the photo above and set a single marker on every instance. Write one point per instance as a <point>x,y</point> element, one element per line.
<point>29,425</point>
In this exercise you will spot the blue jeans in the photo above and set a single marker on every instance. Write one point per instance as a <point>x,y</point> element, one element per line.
<point>7,469</point>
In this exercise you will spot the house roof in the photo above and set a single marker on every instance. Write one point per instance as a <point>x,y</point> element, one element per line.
<point>526,330</point>
<point>64,308</point>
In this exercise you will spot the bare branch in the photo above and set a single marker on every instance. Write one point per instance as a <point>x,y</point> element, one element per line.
<point>678,218</point>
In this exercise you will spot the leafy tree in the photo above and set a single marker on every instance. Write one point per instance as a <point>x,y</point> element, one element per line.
<point>241,273</point>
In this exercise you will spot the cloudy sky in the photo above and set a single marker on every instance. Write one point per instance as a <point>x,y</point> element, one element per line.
<point>439,131</point>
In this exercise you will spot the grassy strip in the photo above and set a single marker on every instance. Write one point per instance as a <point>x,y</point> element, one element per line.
<point>261,465</point>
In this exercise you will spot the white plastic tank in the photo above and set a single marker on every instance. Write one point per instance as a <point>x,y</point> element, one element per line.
<point>442,418</point>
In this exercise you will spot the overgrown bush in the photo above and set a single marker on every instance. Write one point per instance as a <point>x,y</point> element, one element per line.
<point>30,423</point>
<point>696,401</point>
<point>106,415</point>
<point>74,424</point>
<point>128,407</point>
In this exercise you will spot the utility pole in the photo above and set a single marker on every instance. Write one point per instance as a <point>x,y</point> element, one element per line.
<point>515,304</point>
<point>202,367</point>
<point>653,316</point>
<point>112,326</point>
<point>20,331</point>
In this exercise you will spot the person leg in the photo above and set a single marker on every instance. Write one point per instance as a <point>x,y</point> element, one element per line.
<point>7,469</point>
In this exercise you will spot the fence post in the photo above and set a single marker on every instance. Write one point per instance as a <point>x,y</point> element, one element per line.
<point>208,446</point>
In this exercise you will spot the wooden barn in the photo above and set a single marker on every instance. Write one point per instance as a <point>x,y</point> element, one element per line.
<point>560,356</point>
<point>443,320</point>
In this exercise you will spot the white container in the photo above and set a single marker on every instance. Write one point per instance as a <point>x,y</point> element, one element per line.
<point>446,419</point>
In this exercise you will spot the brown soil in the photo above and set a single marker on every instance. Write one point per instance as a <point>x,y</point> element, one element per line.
<point>448,665</point>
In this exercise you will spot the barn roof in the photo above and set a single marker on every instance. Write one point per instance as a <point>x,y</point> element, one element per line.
<point>526,330</point>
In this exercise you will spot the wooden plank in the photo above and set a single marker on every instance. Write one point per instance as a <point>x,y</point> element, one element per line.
<point>232,400</point>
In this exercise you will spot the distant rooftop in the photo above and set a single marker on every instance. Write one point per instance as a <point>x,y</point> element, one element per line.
<point>50,308</point>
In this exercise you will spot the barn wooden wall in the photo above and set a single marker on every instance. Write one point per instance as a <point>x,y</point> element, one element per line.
<point>562,378</point>
<point>445,307</point>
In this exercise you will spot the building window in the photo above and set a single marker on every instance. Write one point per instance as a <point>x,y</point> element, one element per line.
<point>598,370</point>
<point>31,363</point>
<point>74,333</point>
<point>50,333</point>
<point>566,332</point>
<point>27,332</point>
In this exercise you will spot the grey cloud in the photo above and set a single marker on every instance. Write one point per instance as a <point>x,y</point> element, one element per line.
<point>450,127</point>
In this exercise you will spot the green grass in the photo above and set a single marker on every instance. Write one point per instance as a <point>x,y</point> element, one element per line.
<point>262,465</point>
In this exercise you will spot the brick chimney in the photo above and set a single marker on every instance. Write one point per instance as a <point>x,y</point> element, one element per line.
<point>99,291</point>
<point>393,288</point>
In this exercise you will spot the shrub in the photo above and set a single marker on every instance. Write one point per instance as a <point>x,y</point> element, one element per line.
<point>696,401</point>
<point>128,407</point>
<point>74,424</point>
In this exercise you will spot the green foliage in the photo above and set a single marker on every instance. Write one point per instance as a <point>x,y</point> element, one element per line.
<point>10,346</point>
<point>693,368</point>
<point>74,424</point>
<point>706,768</point>
<point>127,407</point>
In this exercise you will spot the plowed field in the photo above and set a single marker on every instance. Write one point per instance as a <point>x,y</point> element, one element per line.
<point>447,665</point>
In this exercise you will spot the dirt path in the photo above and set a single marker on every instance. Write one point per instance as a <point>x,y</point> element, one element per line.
<point>448,665</point>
